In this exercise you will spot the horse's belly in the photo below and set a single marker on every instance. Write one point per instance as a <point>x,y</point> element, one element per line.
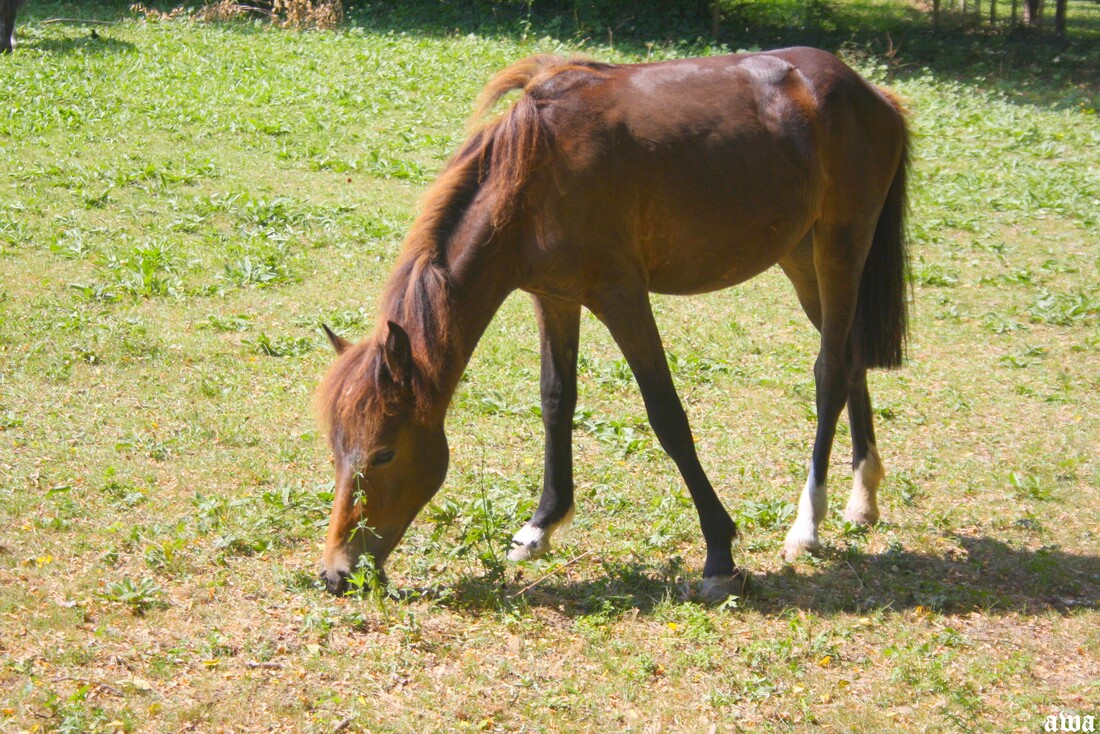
<point>701,268</point>
<point>700,243</point>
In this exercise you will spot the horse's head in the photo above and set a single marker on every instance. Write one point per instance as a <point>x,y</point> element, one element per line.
<point>390,458</point>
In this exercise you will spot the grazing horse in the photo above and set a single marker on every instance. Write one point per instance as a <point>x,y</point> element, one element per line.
<point>599,185</point>
<point>8,9</point>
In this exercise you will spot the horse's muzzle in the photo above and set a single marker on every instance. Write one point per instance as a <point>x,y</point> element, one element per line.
<point>336,582</point>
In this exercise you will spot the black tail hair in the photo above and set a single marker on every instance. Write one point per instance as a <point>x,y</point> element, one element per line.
<point>881,324</point>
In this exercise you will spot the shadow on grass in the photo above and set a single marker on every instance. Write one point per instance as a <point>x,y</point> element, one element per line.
<point>57,36</point>
<point>95,43</point>
<point>622,588</point>
<point>984,575</point>
<point>1032,66</point>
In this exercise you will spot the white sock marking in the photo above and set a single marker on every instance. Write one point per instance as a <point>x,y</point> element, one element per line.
<point>532,542</point>
<point>862,505</point>
<point>812,506</point>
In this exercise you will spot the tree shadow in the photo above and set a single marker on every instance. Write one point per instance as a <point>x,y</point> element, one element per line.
<point>981,574</point>
<point>33,34</point>
<point>103,10</point>
<point>95,43</point>
<point>1031,66</point>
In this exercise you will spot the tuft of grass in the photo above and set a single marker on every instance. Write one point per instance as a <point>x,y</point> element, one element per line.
<point>280,346</point>
<point>247,271</point>
<point>138,596</point>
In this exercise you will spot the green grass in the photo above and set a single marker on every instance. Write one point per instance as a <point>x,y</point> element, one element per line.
<point>181,205</point>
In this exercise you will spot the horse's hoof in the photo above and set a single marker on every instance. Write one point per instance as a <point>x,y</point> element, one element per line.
<point>717,589</point>
<point>520,552</point>
<point>798,543</point>
<point>861,514</point>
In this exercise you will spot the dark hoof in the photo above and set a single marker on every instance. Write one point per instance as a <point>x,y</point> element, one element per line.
<point>718,589</point>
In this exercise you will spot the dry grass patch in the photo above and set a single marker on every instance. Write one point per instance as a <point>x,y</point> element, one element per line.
<point>295,14</point>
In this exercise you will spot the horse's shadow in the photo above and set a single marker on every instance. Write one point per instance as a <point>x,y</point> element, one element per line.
<point>982,574</point>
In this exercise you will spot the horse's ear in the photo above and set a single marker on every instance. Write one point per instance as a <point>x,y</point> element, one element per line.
<point>339,343</point>
<point>397,355</point>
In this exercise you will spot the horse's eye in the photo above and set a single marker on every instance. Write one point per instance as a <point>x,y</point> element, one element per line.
<point>382,458</point>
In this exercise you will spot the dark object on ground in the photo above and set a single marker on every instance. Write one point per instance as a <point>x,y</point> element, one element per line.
<point>8,9</point>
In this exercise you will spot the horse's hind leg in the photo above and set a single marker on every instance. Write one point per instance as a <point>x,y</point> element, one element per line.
<point>629,318</point>
<point>836,270</point>
<point>867,467</point>
<point>559,333</point>
<point>8,9</point>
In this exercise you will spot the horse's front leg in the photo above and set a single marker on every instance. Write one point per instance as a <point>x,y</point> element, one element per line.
<point>559,331</point>
<point>629,317</point>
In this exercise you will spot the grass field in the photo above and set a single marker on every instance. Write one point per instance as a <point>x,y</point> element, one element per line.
<point>182,204</point>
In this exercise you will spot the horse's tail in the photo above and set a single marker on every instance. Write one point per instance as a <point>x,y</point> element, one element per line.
<point>882,316</point>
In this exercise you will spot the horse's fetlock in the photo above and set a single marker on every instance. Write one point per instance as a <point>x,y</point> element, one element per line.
<point>529,543</point>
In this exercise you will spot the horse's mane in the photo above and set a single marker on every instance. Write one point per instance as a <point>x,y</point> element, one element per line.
<point>493,166</point>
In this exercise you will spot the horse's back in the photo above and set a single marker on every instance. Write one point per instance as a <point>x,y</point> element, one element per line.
<point>704,102</point>
<point>705,171</point>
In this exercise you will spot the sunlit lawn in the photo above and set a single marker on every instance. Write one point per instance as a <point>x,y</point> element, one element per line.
<point>182,204</point>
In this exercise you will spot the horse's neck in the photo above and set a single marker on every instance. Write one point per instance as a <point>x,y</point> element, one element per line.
<point>478,280</point>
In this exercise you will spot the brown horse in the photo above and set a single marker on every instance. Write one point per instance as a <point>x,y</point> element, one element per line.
<point>601,184</point>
